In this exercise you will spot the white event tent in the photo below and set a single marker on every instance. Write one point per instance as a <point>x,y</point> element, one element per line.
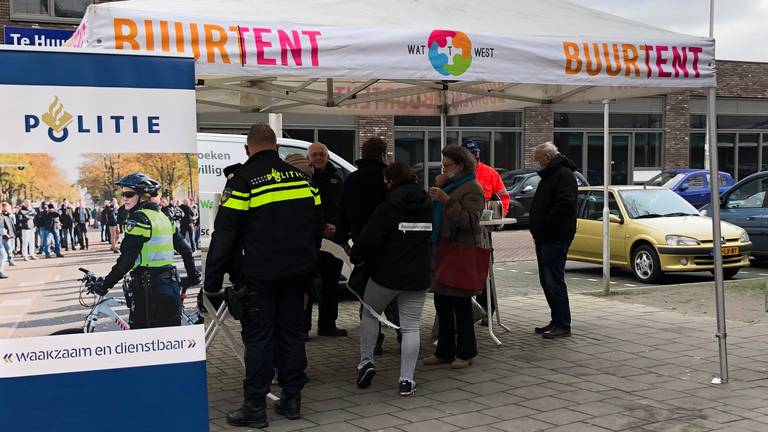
<point>413,57</point>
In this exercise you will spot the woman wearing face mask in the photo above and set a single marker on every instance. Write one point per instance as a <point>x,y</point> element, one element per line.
<point>396,244</point>
<point>147,252</point>
<point>458,204</point>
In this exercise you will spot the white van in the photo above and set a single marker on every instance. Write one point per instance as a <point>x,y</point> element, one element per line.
<point>217,151</point>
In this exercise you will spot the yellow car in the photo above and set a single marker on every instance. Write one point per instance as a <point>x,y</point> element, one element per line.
<point>653,230</point>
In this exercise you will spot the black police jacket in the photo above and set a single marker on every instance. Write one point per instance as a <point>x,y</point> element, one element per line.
<point>553,211</point>
<point>130,248</point>
<point>270,212</point>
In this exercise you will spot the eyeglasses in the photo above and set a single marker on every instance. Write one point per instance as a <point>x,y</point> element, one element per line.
<point>448,165</point>
<point>128,194</point>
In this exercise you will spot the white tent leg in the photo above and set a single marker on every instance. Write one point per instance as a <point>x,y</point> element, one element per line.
<point>714,185</point>
<point>276,123</point>
<point>606,211</point>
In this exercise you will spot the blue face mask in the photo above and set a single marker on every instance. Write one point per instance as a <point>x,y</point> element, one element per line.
<point>536,165</point>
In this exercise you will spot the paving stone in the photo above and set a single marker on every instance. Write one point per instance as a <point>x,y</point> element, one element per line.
<point>561,416</point>
<point>675,426</point>
<point>599,408</point>
<point>546,403</point>
<point>508,412</point>
<point>378,422</point>
<point>617,422</point>
<point>420,414</point>
<point>578,427</point>
<point>468,420</point>
<point>522,425</point>
<point>428,426</point>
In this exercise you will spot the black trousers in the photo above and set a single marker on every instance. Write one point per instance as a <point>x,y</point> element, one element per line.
<point>551,256</point>
<point>272,335</point>
<point>82,235</point>
<point>156,298</point>
<point>482,300</point>
<point>187,232</point>
<point>456,332</point>
<point>329,268</point>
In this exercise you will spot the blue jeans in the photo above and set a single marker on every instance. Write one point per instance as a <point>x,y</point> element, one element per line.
<point>66,233</point>
<point>44,246</point>
<point>8,246</point>
<point>551,257</point>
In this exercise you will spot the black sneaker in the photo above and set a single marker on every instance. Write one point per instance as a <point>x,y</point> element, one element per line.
<point>556,332</point>
<point>407,388</point>
<point>289,407</point>
<point>546,328</point>
<point>332,332</point>
<point>249,415</point>
<point>365,375</point>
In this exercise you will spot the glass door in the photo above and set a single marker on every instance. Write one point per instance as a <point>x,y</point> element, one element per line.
<point>619,159</point>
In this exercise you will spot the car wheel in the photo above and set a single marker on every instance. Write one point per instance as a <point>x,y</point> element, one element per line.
<point>645,264</point>
<point>728,273</point>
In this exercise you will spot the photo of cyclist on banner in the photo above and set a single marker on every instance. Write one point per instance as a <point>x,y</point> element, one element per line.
<point>147,253</point>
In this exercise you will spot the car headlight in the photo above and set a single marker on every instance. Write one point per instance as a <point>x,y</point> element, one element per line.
<point>676,240</point>
<point>744,237</point>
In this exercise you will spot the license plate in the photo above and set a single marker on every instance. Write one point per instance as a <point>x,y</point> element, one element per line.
<point>730,250</point>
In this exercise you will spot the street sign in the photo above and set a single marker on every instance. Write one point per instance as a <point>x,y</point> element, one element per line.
<point>36,36</point>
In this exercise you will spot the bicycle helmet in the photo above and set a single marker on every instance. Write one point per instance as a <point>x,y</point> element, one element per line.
<point>140,183</point>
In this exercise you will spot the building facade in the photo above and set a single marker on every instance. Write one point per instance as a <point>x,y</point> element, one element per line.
<point>646,134</point>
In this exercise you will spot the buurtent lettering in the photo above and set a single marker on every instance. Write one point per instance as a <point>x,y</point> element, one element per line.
<point>612,59</point>
<point>227,44</point>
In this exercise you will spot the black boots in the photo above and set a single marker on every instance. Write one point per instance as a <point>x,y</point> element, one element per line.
<point>251,414</point>
<point>290,407</point>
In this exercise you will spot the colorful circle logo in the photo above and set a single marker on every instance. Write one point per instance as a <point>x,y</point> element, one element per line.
<point>450,59</point>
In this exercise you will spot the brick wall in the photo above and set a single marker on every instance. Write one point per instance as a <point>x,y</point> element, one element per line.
<point>740,79</point>
<point>537,128</point>
<point>676,131</point>
<point>376,126</point>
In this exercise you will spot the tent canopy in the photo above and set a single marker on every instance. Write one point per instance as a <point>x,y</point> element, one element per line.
<point>414,57</point>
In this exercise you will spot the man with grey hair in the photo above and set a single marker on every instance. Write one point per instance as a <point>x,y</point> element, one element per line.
<point>553,225</point>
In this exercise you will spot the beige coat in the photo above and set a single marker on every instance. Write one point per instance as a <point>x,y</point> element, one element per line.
<point>461,223</point>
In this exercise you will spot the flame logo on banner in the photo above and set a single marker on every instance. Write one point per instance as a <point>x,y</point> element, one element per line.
<point>56,118</point>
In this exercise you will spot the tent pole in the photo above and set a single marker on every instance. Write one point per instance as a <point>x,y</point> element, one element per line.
<point>276,123</point>
<point>606,211</point>
<point>708,137</point>
<point>443,120</point>
<point>714,185</point>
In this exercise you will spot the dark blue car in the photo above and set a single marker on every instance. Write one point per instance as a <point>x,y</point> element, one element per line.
<point>691,184</point>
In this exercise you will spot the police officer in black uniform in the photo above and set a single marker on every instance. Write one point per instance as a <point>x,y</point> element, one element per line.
<point>147,252</point>
<point>271,215</point>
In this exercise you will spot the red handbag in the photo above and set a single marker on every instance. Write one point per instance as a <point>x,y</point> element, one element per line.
<point>462,266</point>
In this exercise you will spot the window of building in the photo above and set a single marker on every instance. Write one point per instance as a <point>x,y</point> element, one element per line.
<point>499,135</point>
<point>738,153</point>
<point>339,141</point>
<point>618,120</point>
<point>648,149</point>
<point>49,10</point>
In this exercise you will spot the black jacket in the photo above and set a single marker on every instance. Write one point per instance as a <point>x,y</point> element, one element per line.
<point>399,252</point>
<point>66,218</point>
<point>553,211</point>
<point>270,211</point>
<point>330,185</point>
<point>363,191</point>
<point>51,219</point>
<point>186,218</point>
<point>81,210</point>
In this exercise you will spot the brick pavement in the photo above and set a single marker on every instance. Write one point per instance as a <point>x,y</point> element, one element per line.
<point>627,368</point>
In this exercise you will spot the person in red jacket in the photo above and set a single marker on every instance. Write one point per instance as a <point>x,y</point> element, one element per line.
<point>488,178</point>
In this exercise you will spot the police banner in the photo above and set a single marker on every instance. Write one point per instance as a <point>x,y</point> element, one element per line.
<point>105,102</point>
<point>142,380</point>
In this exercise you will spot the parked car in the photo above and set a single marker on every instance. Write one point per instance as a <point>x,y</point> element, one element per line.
<point>691,184</point>
<point>744,204</point>
<point>521,185</point>
<point>653,230</point>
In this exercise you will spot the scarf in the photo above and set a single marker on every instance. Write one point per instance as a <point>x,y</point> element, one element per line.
<point>438,205</point>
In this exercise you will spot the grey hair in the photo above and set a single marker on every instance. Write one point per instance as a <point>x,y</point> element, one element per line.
<point>547,148</point>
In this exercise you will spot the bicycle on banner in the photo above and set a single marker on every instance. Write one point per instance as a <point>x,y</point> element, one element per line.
<point>103,306</point>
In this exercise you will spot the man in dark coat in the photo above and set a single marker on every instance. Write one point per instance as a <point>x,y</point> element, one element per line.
<point>363,191</point>
<point>326,178</point>
<point>553,225</point>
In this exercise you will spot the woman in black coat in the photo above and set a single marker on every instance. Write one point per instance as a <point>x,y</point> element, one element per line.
<point>396,244</point>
